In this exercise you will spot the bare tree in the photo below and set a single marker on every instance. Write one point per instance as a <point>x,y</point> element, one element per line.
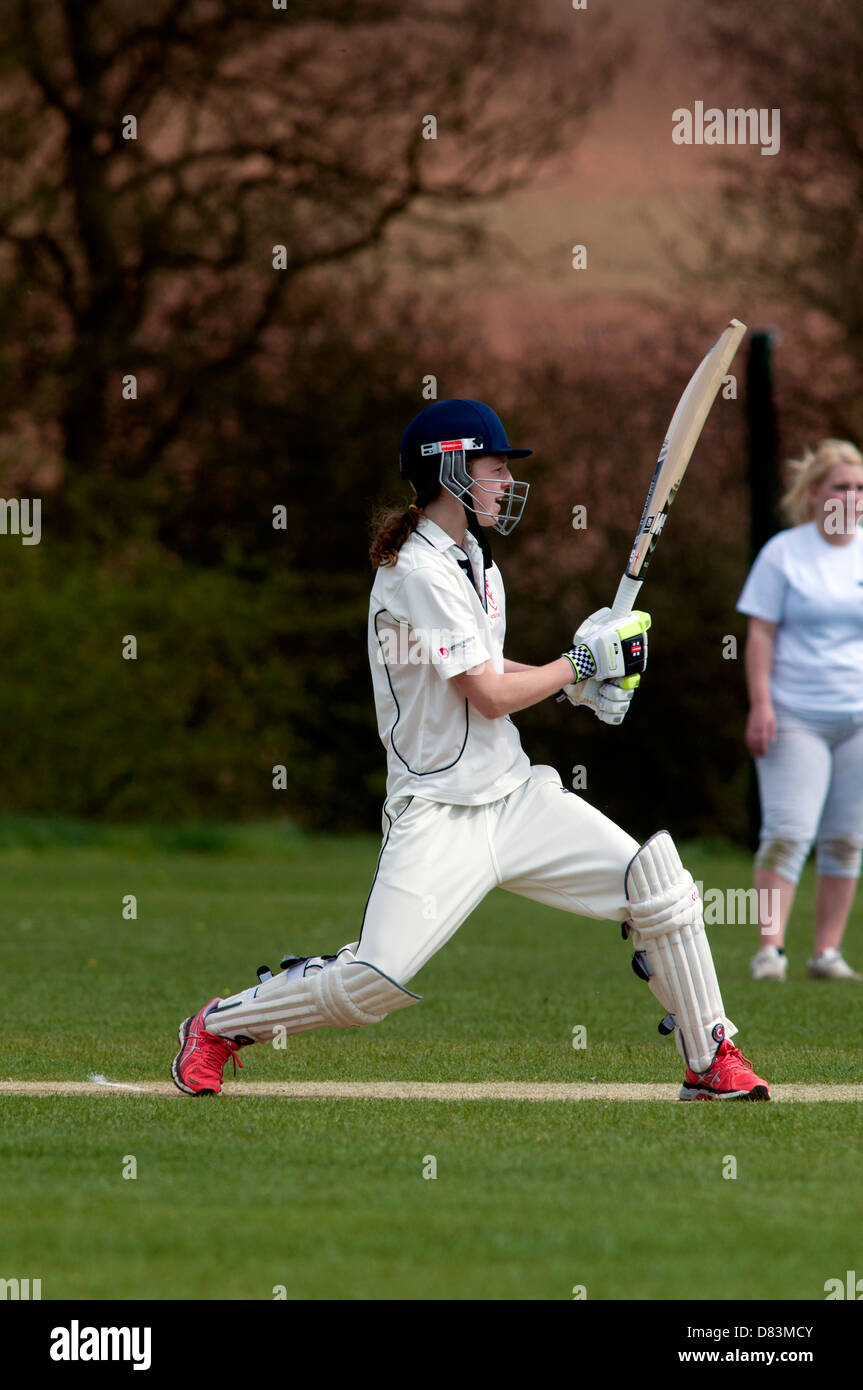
<point>150,250</point>
<point>791,225</point>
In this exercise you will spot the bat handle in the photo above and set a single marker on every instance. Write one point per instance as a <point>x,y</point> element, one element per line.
<point>627,593</point>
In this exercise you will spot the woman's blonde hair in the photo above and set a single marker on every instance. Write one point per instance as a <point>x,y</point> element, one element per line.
<point>811,470</point>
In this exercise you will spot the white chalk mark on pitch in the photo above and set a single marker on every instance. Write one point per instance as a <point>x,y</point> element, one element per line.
<point>417,1090</point>
<point>99,1080</point>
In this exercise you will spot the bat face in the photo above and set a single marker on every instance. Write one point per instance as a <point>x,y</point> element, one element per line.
<point>686,425</point>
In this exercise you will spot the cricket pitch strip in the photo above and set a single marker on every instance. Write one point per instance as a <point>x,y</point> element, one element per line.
<point>414,1090</point>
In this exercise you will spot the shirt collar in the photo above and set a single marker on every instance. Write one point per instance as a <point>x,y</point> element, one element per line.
<point>438,537</point>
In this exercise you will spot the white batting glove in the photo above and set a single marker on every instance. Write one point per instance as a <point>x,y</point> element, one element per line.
<point>609,648</point>
<point>608,700</point>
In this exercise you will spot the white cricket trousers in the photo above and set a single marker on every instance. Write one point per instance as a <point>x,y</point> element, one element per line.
<point>437,862</point>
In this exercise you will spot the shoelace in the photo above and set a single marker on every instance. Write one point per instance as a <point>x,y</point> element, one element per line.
<point>739,1055</point>
<point>731,1052</point>
<point>213,1050</point>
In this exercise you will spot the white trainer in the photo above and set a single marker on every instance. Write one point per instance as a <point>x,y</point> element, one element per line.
<point>830,965</point>
<point>769,964</point>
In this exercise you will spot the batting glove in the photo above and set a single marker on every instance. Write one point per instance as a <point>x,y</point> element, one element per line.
<point>609,648</point>
<point>608,700</point>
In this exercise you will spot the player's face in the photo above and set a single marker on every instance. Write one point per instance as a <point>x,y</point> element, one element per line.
<point>830,497</point>
<point>492,480</point>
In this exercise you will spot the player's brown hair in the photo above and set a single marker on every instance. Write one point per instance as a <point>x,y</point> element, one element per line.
<point>809,471</point>
<point>391,527</point>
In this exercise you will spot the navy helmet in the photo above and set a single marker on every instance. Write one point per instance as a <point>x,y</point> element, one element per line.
<point>438,443</point>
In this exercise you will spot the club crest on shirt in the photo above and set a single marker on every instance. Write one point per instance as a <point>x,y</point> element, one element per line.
<point>493,610</point>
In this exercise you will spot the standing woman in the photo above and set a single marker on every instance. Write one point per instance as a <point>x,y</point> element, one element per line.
<point>804,671</point>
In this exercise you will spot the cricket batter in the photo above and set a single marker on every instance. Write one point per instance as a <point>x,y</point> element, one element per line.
<point>465,811</point>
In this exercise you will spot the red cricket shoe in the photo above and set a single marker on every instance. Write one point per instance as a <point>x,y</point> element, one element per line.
<point>729,1077</point>
<point>198,1066</point>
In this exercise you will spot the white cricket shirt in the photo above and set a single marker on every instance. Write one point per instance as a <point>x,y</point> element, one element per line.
<point>814,591</point>
<point>434,614</point>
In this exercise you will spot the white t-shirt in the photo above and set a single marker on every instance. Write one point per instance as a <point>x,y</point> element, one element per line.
<point>429,622</point>
<point>814,591</point>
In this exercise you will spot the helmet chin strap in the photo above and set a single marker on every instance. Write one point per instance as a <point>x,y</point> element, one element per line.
<point>459,470</point>
<point>479,533</point>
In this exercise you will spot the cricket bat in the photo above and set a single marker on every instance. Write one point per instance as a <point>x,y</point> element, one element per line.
<point>681,437</point>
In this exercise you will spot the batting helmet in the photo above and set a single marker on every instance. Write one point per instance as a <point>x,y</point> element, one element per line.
<point>436,446</point>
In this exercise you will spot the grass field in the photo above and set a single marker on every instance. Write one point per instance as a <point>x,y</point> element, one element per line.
<point>327,1198</point>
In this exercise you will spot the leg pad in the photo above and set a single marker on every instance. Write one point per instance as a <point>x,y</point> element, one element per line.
<point>313,992</point>
<point>667,931</point>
